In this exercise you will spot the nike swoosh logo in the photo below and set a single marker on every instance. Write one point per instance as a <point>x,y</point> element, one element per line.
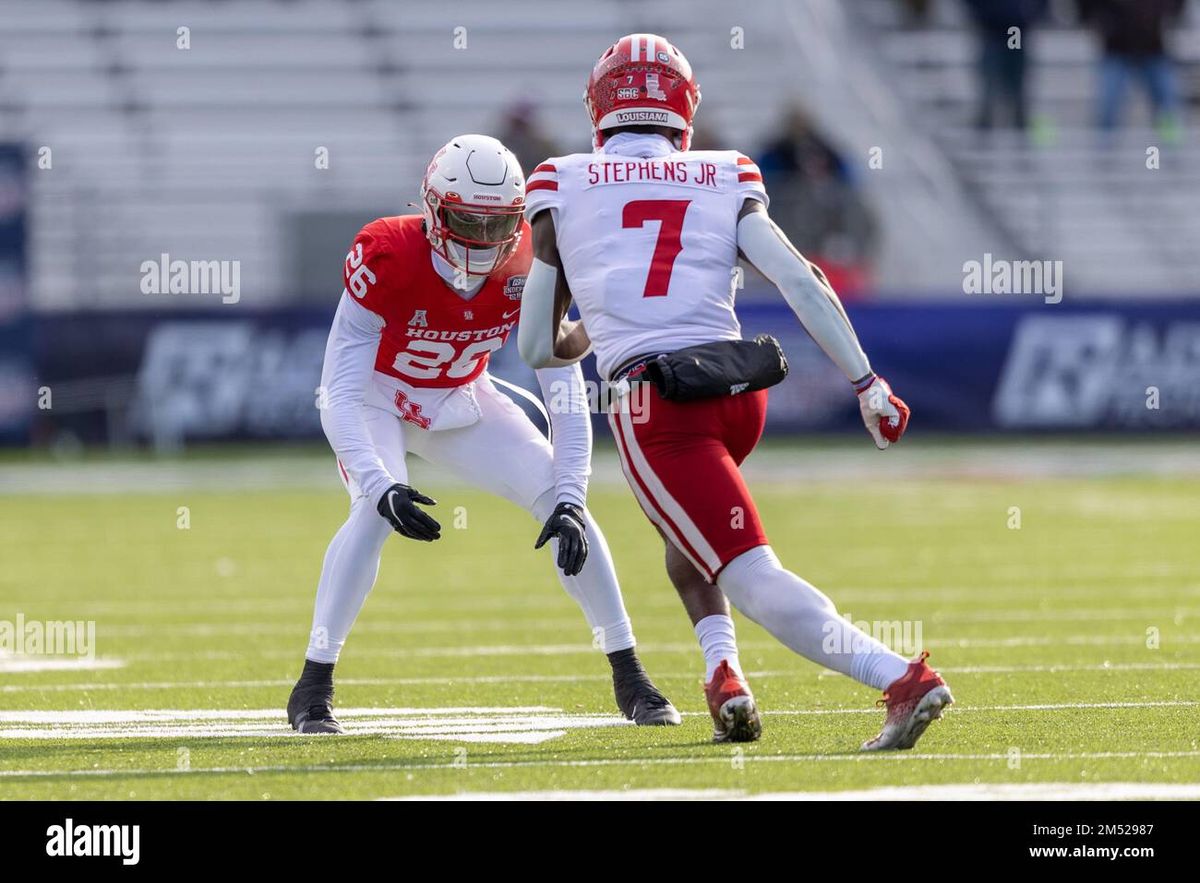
<point>392,505</point>
<point>510,315</point>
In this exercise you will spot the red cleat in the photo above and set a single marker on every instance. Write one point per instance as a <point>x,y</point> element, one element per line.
<point>913,702</point>
<point>735,716</point>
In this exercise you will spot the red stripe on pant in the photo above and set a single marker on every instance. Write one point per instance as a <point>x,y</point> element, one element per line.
<point>689,453</point>
<point>675,534</point>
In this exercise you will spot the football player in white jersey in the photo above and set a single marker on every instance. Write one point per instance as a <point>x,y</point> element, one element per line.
<point>428,298</point>
<point>644,235</point>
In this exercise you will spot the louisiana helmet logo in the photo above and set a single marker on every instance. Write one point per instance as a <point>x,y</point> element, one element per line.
<point>514,287</point>
<point>626,117</point>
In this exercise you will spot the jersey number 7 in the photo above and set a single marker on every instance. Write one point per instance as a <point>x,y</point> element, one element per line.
<point>669,213</point>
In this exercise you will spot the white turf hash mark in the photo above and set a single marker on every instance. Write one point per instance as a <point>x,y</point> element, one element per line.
<point>519,725</point>
<point>16,664</point>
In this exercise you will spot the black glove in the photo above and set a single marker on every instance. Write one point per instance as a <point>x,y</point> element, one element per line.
<point>398,506</point>
<point>566,523</point>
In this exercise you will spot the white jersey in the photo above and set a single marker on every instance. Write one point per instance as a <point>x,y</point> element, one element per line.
<point>647,236</point>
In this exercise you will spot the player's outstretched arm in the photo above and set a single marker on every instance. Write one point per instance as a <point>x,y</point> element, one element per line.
<point>571,434</point>
<point>815,303</point>
<point>545,337</point>
<point>349,361</point>
<point>345,374</point>
<point>566,399</point>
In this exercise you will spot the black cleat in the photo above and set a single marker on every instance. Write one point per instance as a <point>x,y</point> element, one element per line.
<point>637,697</point>
<point>310,707</point>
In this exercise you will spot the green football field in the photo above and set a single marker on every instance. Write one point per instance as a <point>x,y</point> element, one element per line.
<point>1063,612</point>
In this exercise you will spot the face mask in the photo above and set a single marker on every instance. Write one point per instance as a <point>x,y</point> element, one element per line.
<point>476,261</point>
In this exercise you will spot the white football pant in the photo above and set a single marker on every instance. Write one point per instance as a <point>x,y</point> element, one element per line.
<point>502,453</point>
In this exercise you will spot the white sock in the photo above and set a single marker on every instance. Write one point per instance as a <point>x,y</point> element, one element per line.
<point>351,565</point>
<point>804,619</point>
<point>595,588</point>
<point>718,642</point>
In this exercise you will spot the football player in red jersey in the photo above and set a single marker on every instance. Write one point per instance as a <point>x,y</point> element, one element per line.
<point>428,299</point>
<point>643,234</point>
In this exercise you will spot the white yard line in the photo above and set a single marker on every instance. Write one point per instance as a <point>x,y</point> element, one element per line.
<point>1056,640</point>
<point>271,683</point>
<point>21,664</point>
<point>1139,617</point>
<point>1138,639</point>
<point>103,716</point>
<point>721,759</point>
<point>958,709</point>
<point>1146,616</point>
<point>490,724</point>
<point>525,725</point>
<point>1052,668</point>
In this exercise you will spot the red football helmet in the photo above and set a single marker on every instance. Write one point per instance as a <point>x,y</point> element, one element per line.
<point>642,80</point>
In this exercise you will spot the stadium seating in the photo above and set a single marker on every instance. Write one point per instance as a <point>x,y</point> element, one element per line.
<point>206,152</point>
<point>202,152</point>
<point>1067,193</point>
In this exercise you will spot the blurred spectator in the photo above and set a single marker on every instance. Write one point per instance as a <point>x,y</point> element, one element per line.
<point>801,151</point>
<point>1132,32</point>
<point>1002,69</point>
<point>917,13</point>
<point>521,133</point>
<point>815,200</point>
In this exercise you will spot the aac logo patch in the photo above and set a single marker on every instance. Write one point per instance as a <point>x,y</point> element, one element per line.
<point>514,287</point>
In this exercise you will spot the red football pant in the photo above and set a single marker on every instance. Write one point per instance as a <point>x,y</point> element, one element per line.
<point>681,459</point>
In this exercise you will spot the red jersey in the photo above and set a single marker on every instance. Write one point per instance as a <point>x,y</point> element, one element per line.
<point>432,336</point>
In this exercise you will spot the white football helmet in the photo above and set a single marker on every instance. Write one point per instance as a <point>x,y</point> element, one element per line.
<point>473,199</point>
